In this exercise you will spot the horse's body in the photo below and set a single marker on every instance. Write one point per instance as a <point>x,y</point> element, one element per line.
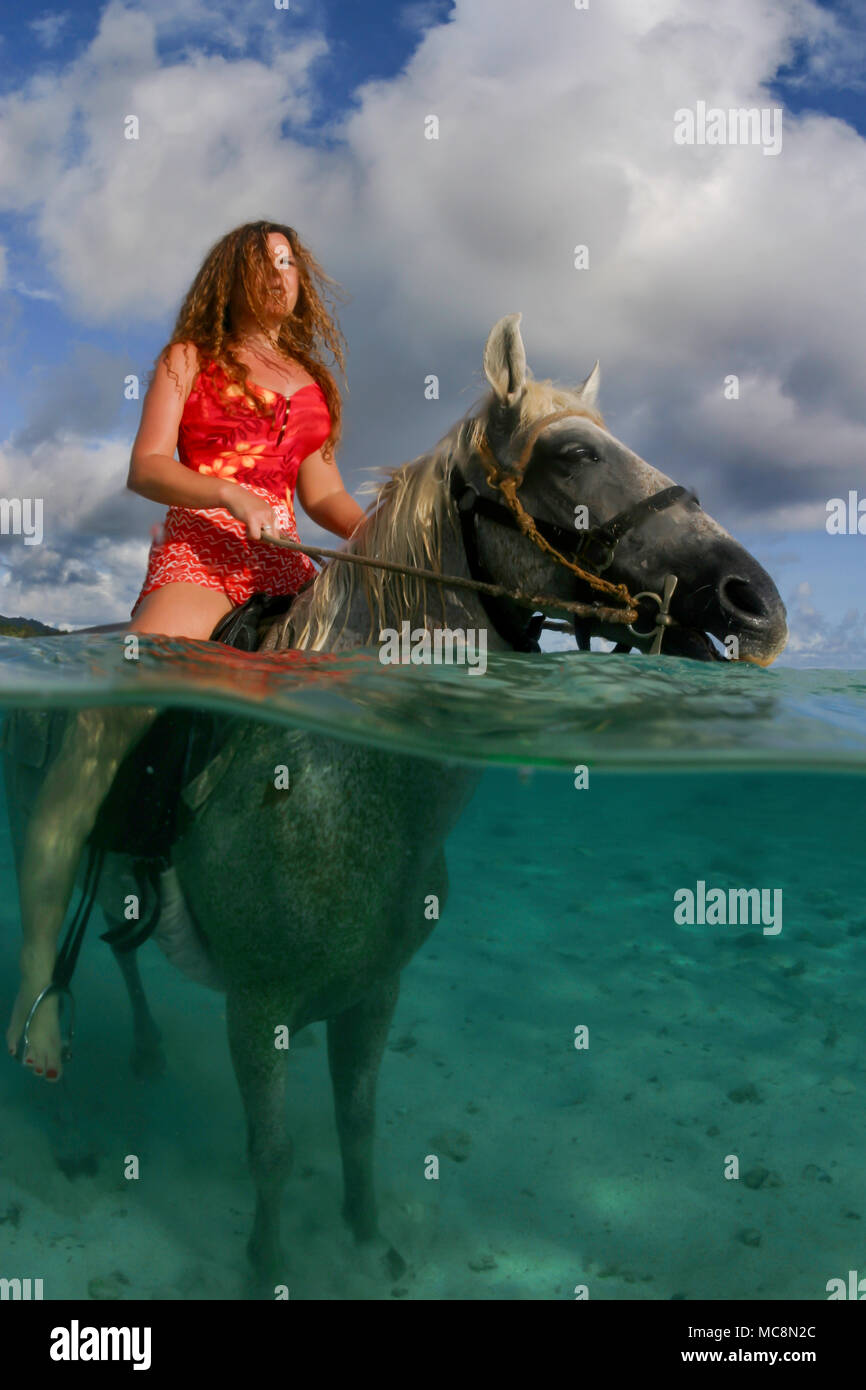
<point>313,899</point>
<point>329,890</point>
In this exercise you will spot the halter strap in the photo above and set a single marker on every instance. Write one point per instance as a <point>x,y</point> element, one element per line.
<point>508,484</point>
<point>607,535</point>
<point>593,548</point>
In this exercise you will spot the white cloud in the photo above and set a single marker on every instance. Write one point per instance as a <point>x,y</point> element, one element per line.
<point>61,588</point>
<point>422,14</point>
<point>49,27</point>
<point>802,516</point>
<point>818,640</point>
<point>124,224</point>
<point>28,293</point>
<point>86,568</point>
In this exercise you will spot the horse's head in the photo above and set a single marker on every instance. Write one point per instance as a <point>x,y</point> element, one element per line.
<point>572,477</point>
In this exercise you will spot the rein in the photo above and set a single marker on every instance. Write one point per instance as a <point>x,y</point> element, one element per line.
<point>595,547</point>
<point>456,581</point>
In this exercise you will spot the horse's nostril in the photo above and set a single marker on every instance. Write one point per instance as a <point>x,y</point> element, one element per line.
<point>739,595</point>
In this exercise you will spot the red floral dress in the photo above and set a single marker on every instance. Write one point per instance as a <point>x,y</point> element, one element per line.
<point>209,546</point>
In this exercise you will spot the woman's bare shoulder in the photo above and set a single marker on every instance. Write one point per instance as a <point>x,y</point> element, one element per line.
<point>180,363</point>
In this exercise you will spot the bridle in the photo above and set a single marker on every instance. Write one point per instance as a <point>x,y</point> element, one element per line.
<point>586,553</point>
<point>594,549</point>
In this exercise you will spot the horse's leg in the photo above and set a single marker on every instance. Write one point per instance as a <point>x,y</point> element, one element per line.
<point>147,1058</point>
<point>260,1068</point>
<point>356,1042</point>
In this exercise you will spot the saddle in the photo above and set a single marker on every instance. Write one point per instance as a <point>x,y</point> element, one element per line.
<point>165,777</point>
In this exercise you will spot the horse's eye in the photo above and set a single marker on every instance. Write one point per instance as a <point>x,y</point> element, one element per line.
<point>579,451</point>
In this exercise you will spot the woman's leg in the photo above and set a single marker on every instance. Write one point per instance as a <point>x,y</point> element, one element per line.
<point>94,745</point>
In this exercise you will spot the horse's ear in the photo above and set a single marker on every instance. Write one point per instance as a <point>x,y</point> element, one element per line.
<point>588,391</point>
<point>505,359</point>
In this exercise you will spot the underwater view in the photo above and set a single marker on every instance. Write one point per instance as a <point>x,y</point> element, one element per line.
<point>627,1057</point>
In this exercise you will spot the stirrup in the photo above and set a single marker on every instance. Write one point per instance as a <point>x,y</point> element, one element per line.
<point>65,1047</point>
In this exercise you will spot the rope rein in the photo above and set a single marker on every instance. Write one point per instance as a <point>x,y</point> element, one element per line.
<point>456,581</point>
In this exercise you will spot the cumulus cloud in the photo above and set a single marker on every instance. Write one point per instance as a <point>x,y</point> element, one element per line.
<point>49,27</point>
<point>82,395</point>
<point>34,293</point>
<point>421,14</point>
<point>90,562</point>
<point>817,639</point>
<point>555,130</point>
<point>124,223</point>
<point>67,589</point>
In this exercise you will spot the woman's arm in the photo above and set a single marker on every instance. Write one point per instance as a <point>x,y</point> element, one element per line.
<point>324,498</point>
<point>153,471</point>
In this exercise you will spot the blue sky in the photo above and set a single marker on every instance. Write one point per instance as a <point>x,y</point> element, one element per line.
<point>801,89</point>
<point>555,129</point>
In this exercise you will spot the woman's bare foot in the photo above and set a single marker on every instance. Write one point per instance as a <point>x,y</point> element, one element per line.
<point>43,1052</point>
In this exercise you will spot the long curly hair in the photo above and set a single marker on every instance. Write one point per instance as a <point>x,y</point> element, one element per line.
<point>240,266</point>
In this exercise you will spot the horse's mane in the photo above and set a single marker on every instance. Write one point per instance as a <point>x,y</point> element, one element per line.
<point>405,522</point>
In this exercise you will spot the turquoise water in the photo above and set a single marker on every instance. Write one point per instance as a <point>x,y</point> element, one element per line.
<point>710,1045</point>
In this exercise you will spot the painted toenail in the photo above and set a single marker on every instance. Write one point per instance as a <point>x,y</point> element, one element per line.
<point>51,1072</point>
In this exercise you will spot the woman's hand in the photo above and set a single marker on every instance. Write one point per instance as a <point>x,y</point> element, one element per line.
<point>253,511</point>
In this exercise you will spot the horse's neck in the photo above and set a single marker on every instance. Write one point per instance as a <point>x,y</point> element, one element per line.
<point>462,609</point>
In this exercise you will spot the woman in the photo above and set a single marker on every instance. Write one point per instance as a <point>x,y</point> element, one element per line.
<point>243,394</point>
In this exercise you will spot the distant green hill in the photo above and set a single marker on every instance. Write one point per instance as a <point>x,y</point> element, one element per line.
<point>24,627</point>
